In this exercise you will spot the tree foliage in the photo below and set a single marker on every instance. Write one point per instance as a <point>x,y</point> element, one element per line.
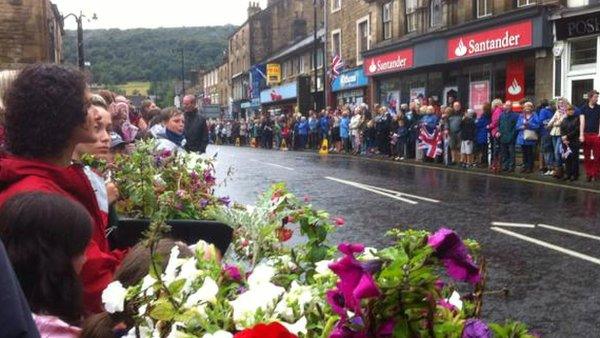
<point>118,56</point>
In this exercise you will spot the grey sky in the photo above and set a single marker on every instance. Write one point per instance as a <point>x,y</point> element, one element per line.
<point>156,13</point>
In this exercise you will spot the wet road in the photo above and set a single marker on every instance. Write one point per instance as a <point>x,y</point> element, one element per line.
<point>542,242</point>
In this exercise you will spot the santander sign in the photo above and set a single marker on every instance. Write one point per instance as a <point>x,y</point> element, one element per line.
<point>491,41</point>
<point>389,62</point>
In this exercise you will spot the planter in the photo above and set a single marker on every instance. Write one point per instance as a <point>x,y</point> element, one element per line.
<point>130,232</point>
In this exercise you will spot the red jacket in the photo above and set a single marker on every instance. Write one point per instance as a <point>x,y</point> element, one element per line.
<point>19,175</point>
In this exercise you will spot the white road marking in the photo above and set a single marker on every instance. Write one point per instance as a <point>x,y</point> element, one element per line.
<point>548,245</point>
<point>397,195</point>
<point>576,233</point>
<point>513,225</point>
<point>279,166</point>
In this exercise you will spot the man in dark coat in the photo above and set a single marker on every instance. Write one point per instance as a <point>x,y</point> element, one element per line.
<point>196,129</point>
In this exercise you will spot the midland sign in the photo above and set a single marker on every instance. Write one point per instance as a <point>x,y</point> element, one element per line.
<point>389,62</point>
<point>497,40</point>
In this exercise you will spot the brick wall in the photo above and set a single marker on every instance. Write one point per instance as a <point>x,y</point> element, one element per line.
<point>345,19</point>
<point>24,33</point>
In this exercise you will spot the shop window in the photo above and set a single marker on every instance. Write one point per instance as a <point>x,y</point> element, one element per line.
<point>583,52</point>
<point>386,13</point>
<point>483,8</point>
<point>435,13</point>
<point>336,42</point>
<point>411,15</point>
<point>362,38</point>
<point>577,3</point>
<point>521,3</point>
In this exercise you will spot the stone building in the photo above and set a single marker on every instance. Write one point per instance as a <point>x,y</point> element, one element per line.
<point>223,86</point>
<point>30,31</point>
<point>470,50</point>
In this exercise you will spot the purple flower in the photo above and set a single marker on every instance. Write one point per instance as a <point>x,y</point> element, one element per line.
<point>343,331</point>
<point>225,200</point>
<point>476,328</point>
<point>209,178</point>
<point>443,303</point>
<point>166,153</point>
<point>386,329</point>
<point>439,284</point>
<point>450,249</point>
<point>203,203</point>
<point>232,272</point>
<point>336,300</point>
<point>355,282</point>
<point>179,206</point>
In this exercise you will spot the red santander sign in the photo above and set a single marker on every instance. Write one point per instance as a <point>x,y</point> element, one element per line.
<point>389,62</point>
<point>513,36</point>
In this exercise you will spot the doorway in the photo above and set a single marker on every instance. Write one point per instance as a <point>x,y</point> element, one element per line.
<point>578,88</point>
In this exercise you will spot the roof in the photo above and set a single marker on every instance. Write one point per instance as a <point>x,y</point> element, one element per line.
<point>307,41</point>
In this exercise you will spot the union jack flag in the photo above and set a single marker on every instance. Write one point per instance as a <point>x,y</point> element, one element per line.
<point>431,142</point>
<point>336,66</point>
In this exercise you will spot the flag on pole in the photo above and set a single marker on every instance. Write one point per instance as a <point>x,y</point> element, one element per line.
<point>336,66</point>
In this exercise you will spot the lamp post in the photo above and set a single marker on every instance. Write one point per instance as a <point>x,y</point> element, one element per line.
<point>79,20</point>
<point>176,51</point>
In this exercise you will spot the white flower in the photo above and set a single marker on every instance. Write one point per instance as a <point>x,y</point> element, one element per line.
<point>175,333</point>
<point>189,272</point>
<point>174,262</point>
<point>260,275</point>
<point>297,327</point>
<point>369,253</point>
<point>218,334</point>
<point>113,297</point>
<point>455,300</point>
<point>261,296</point>
<point>322,268</point>
<point>147,285</point>
<point>301,294</point>
<point>207,293</point>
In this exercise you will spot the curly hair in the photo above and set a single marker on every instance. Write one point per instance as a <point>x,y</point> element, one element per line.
<point>43,106</point>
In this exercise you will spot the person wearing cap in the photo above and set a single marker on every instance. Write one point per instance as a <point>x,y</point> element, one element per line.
<point>507,134</point>
<point>527,137</point>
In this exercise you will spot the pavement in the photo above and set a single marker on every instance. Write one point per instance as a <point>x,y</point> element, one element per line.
<point>541,239</point>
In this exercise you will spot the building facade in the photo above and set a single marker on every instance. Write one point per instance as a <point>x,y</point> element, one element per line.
<point>30,31</point>
<point>472,51</point>
<point>576,49</point>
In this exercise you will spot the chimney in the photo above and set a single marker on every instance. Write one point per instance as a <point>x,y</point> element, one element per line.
<point>253,8</point>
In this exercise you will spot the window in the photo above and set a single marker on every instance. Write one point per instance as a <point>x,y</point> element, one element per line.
<point>583,52</point>
<point>435,13</point>
<point>521,3</point>
<point>484,8</point>
<point>336,5</point>
<point>577,3</point>
<point>386,13</point>
<point>301,65</point>
<point>320,58</point>
<point>362,38</point>
<point>336,42</point>
<point>411,15</point>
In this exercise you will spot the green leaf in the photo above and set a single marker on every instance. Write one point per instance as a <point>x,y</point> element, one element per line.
<point>163,310</point>
<point>176,286</point>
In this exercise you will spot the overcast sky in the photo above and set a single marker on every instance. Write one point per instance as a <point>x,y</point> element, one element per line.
<point>151,14</point>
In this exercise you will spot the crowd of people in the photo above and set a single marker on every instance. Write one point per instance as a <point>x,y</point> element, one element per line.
<point>55,212</point>
<point>550,134</point>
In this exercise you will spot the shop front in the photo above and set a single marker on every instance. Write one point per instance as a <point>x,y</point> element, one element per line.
<point>503,57</point>
<point>351,87</point>
<point>576,55</point>
<point>281,99</point>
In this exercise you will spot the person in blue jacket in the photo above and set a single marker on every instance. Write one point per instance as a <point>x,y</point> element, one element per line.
<point>303,132</point>
<point>547,160</point>
<point>345,131</point>
<point>528,126</point>
<point>481,135</point>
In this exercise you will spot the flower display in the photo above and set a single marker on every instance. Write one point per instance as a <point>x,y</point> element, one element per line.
<point>263,286</point>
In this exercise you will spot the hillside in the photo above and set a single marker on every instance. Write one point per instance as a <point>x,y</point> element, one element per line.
<point>119,56</point>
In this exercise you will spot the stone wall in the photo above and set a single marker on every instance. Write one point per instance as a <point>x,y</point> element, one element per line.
<point>30,31</point>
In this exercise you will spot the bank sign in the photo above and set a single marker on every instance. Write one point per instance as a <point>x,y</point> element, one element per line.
<point>497,40</point>
<point>389,62</point>
<point>350,79</point>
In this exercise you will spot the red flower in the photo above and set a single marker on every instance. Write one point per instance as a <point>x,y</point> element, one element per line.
<point>273,330</point>
<point>339,221</point>
<point>284,234</point>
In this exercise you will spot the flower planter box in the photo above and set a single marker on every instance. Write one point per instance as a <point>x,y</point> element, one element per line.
<point>130,232</point>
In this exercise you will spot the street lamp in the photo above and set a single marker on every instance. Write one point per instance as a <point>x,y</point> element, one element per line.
<point>176,51</point>
<point>79,19</point>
